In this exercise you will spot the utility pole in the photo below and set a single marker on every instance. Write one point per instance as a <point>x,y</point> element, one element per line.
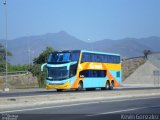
<point>6,89</point>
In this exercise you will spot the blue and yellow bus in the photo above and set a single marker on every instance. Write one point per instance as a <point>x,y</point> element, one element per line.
<point>81,69</point>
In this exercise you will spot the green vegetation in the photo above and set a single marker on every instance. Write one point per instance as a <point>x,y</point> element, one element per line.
<point>11,68</point>
<point>3,58</point>
<point>42,58</point>
<point>15,68</point>
<point>35,69</point>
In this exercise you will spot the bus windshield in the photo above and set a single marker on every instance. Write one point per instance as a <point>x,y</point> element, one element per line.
<point>59,57</point>
<point>57,73</point>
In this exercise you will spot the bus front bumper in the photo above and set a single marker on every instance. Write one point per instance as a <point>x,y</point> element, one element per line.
<point>64,86</point>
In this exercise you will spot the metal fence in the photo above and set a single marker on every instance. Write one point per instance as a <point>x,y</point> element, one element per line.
<point>156,74</point>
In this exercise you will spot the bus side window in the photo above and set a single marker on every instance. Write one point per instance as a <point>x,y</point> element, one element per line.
<point>92,73</point>
<point>83,74</point>
<point>102,73</point>
<point>86,57</point>
<point>73,70</point>
<point>95,73</point>
<point>118,74</point>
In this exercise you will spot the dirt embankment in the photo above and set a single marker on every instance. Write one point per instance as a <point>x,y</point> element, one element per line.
<point>130,65</point>
<point>19,81</point>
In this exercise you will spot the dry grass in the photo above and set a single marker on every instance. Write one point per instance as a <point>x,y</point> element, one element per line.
<point>19,81</point>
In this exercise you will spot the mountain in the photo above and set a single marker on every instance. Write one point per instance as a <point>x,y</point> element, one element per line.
<point>24,49</point>
<point>128,47</point>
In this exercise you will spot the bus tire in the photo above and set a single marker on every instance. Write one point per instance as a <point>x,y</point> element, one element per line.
<point>107,85</point>
<point>80,86</point>
<point>111,85</point>
<point>59,90</point>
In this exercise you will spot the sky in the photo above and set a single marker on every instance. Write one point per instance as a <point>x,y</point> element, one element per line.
<point>85,19</point>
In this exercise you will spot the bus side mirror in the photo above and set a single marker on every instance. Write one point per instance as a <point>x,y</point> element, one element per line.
<point>42,66</point>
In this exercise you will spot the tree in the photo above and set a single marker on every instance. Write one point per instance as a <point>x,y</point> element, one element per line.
<point>146,52</point>
<point>42,58</point>
<point>3,57</point>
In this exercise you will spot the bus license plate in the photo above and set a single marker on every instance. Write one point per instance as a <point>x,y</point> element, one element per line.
<point>55,86</point>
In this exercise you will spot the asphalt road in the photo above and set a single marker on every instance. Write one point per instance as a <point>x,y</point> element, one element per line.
<point>115,109</point>
<point>45,92</point>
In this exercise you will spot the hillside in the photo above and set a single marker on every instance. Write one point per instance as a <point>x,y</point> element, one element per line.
<point>143,76</point>
<point>142,72</point>
<point>24,49</point>
<point>20,47</point>
<point>129,66</point>
<point>126,47</point>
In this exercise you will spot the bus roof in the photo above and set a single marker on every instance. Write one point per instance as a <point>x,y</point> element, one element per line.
<point>86,51</point>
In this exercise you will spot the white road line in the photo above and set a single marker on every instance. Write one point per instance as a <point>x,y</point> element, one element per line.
<point>30,109</point>
<point>119,111</point>
<point>131,99</point>
<point>77,104</point>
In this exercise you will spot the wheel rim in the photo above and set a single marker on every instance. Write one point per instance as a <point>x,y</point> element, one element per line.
<point>107,85</point>
<point>80,86</point>
<point>112,85</point>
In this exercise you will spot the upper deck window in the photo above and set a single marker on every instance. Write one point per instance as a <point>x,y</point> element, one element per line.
<point>59,57</point>
<point>104,58</point>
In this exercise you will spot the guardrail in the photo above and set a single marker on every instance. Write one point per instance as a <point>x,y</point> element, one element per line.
<point>132,58</point>
<point>14,73</point>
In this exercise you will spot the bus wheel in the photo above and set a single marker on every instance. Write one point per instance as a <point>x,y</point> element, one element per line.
<point>59,90</point>
<point>111,85</point>
<point>80,86</point>
<point>107,86</point>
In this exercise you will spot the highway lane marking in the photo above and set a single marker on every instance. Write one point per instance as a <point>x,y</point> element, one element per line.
<point>119,111</point>
<point>48,107</point>
<point>77,104</point>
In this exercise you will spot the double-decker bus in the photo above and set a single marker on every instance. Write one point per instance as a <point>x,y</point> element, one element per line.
<point>81,69</point>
